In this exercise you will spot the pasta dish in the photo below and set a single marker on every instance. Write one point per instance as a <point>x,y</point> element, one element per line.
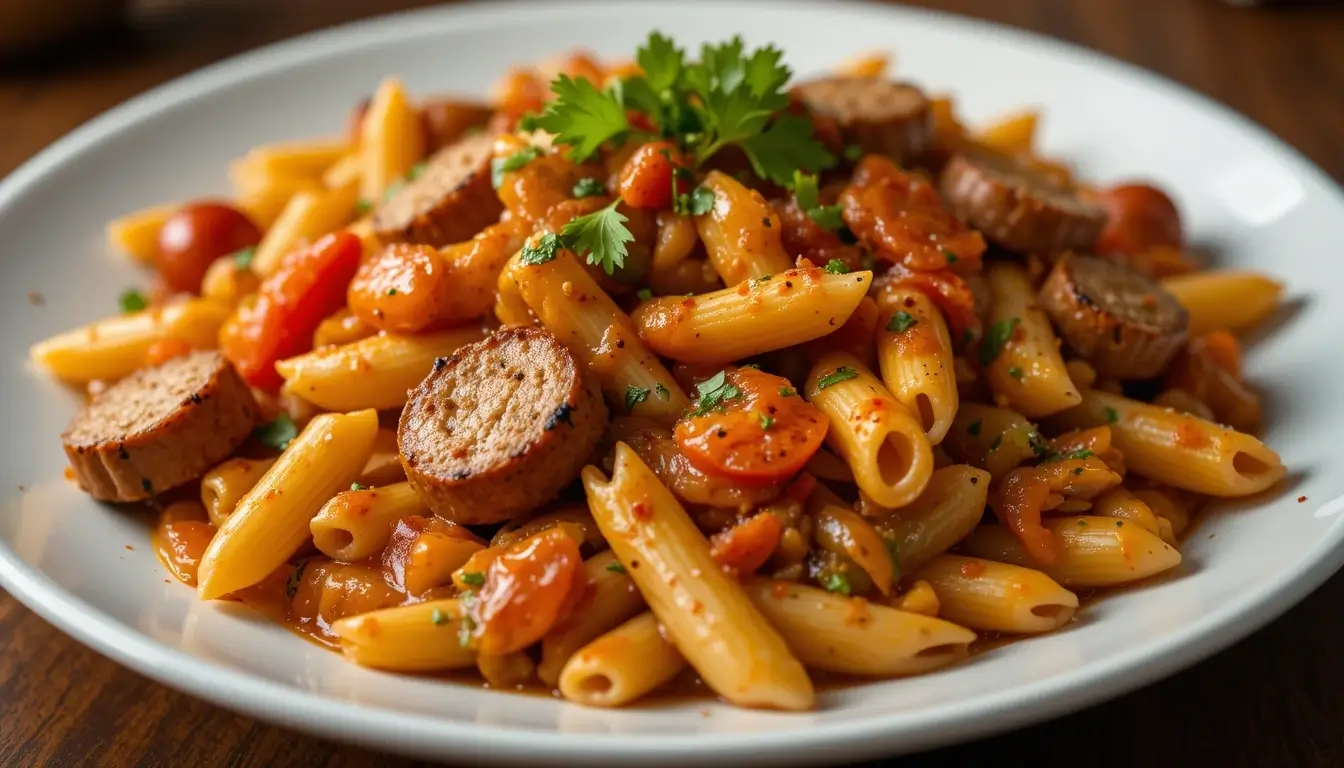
<point>667,368</point>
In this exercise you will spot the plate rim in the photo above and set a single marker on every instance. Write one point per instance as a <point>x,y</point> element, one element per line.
<point>274,702</point>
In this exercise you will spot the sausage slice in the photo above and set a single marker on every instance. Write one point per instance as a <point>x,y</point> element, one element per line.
<point>1114,316</point>
<point>449,202</point>
<point>1019,207</point>
<point>496,430</point>
<point>160,427</point>
<point>880,116</point>
<point>448,120</point>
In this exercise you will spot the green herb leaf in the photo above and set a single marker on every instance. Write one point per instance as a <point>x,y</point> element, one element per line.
<point>713,393</point>
<point>996,442</point>
<point>295,578</point>
<point>1015,372</point>
<point>547,248</point>
<point>615,567</point>
<point>582,116</point>
<point>950,256</point>
<point>661,60</point>
<point>358,487</point>
<point>601,235</point>
<point>786,145</point>
<point>588,187</point>
<point>1112,415</point>
<point>1070,456</point>
<point>473,578</point>
<point>853,152</point>
<point>362,206</point>
<point>278,433</point>
<point>767,421</point>
<point>242,259</point>
<point>836,267</point>
<point>438,618</point>
<point>837,582</point>
<point>828,217</point>
<point>634,396</point>
<point>973,429</point>
<point>787,391</point>
<point>699,202</point>
<point>901,322</point>
<point>1037,443</point>
<point>391,291</point>
<point>467,628</point>
<point>835,377</point>
<point>415,171</point>
<point>805,190</point>
<point>132,301</point>
<point>996,338</point>
<point>502,165</point>
<point>661,391</point>
<point>644,294</point>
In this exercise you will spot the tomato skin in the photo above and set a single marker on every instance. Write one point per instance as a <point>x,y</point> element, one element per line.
<point>646,178</point>
<point>309,285</point>
<point>1139,217</point>
<point>197,234</point>
<point>735,442</point>
<point>526,591</point>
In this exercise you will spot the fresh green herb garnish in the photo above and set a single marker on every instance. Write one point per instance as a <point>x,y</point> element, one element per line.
<point>588,187</point>
<point>973,429</point>
<point>996,338</point>
<point>835,377</point>
<point>362,206</point>
<point>1015,372</point>
<point>132,301</point>
<point>1037,443</point>
<point>713,393</point>
<point>295,578</point>
<point>438,618</point>
<point>601,235</point>
<point>901,322</point>
<point>853,152</point>
<point>996,442</point>
<point>1112,415</point>
<point>473,578</point>
<point>767,421</point>
<point>242,259</point>
<point>415,171</point>
<point>615,567</point>
<point>697,203</point>
<point>358,487</point>
<point>502,165</point>
<point>634,396</point>
<point>837,582</point>
<point>644,294</point>
<point>836,267</point>
<point>391,291</point>
<point>807,194</point>
<point>584,117</point>
<point>467,628</point>
<point>950,256</point>
<point>787,391</point>
<point>661,391</point>
<point>278,433</point>
<point>547,248</point>
<point>1070,456</point>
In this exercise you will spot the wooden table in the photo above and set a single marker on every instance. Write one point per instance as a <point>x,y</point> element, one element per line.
<point>1276,698</point>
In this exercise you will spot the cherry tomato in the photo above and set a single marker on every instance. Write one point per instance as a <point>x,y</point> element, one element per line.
<point>279,321</point>
<point>757,429</point>
<point>526,591</point>
<point>1140,217</point>
<point>646,179</point>
<point>195,236</point>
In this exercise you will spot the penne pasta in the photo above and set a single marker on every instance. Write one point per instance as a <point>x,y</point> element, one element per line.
<point>741,232</point>
<point>271,521</point>
<point>1178,449</point>
<point>392,140</point>
<point>753,317</point>
<point>358,523</point>
<point>423,637</point>
<point>1121,504</point>
<point>950,507</point>
<point>344,172</point>
<point>306,217</point>
<point>707,615</point>
<point>611,599</point>
<point>883,443</point>
<point>118,346</point>
<point>914,352</point>
<point>225,485</point>
<point>1020,350</point>
<point>994,439</point>
<point>1013,134</point>
<point>1093,551</point>
<point>264,195</point>
<point>384,466</point>
<point>296,158</point>
<point>621,665</point>
<point>852,636</point>
<point>997,597</point>
<point>1224,300</point>
<point>137,234</point>
<point>374,372</point>
<point>226,283</point>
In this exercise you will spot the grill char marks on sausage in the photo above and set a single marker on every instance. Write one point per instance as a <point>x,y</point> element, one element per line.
<point>1117,318</point>
<point>160,428</point>
<point>498,429</point>
<point>449,202</point>
<point>879,116</point>
<point>1019,207</point>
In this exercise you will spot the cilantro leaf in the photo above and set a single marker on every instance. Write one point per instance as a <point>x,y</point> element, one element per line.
<point>588,187</point>
<point>787,391</point>
<point>634,396</point>
<point>438,618</point>
<point>278,433</point>
<point>547,248</point>
<point>359,487</point>
<point>502,165</point>
<point>901,322</point>
<point>785,146</point>
<point>835,377</point>
<point>996,338</point>
<point>582,116</point>
<point>132,301</point>
<point>837,582</point>
<point>601,235</point>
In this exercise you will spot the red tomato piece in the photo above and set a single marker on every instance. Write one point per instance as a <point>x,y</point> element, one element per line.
<point>754,428</point>
<point>746,546</point>
<point>309,285</point>
<point>647,177</point>
<point>1139,217</point>
<point>197,234</point>
<point>526,590</point>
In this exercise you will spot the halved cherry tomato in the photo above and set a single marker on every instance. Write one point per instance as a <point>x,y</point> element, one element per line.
<point>948,292</point>
<point>902,219</point>
<point>747,545</point>
<point>279,322</point>
<point>526,591</point>
<point>754,428</point>
<point>646,179</point>
<point>197,234</point>
<point>1139,217</point>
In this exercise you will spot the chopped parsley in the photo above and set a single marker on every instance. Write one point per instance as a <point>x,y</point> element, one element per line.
<point>467,628</point>
<point>278,433</point>
<point>697,202</point>
<point>615,567</point>
<point>1037,443</point>
<point>502,165</point>
<point>713,393</point>
<point>644,294</point>
<point>835,377</point>
<point>416,171</point>
<point>973,429</point>
<point>767,421</point>
<point>438,618</point>
<point>295,578</point>
<point>132,301</point>
<point>634,396</point>
<point>950,256</point>
<point>546,249</point>
<point>391,291</point>
<point>901,322</point>
<point>661,391</point>
<point>588,187</point>
<point>1015,372</point>
<point>996,338</point>
<point>836,267</point>
<point>1054,456</point>
<point>1112,415</point>
<point>601,235</point>
<point>853,152</point>
<point>837,582</point>
<point>787,391</point>
<point>807,194</point>
<point>242,258</point>
<point>363,206</point>
<point>473,578</point>
<point>358,487</point>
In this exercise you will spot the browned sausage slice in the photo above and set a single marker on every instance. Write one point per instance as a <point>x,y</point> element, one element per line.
<point>496,430</point>
<point>449,202</point>
<point>1018,207</point>
<point>449,120</point>
<point>1117,318</point>
<point>160,427</point>
<point>880,116</point>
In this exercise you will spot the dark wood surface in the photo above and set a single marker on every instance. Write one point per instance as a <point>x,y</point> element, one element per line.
<point>1275,699</point>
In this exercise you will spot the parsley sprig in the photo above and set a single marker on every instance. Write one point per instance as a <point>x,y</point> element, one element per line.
<point>601,236</point>
<point>713,393</point>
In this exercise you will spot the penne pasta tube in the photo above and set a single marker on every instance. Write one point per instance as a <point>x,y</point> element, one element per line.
<point>919,598</point>
<point>621,665</point>
<point>1121,504</point>
<point>271,520</point>
<point>1220,300</point>
<point>852,636</point>
<point>741,232</point>
<point>950,507</point>
<point>612,598</point>
<point>423,637</point>
<point>392,139</point>
<point>914,352</point>
<point>1013,134</point>
<point>227,283</point>
<point>1178,449</point>
<point>306,217</point>
<point>344,172</point>
<point>997,597</point>
<point>309,157</point>
<point>1093,551</point>
<point>505,671</point>
<point>118,346</point>
<point>226,484</point>
<point>374,372</point>
<point>1020,350</point>
<point>706,614</point>
<point>752,317</point>
<point>883,443</point>
<point>356,524</point>
<point>137,234</point>
<point>571,305</point>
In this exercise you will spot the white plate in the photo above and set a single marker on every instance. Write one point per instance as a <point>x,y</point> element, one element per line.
<point>89,569</point>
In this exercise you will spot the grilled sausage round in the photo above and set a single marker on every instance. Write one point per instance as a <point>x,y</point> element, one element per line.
<point>1019,207</point>
<point>496,430</point>
<point>880,116</point>
<point>448,120</point>
<point>160,427</point>
<point>1117,318</point>
<point>449,202</point>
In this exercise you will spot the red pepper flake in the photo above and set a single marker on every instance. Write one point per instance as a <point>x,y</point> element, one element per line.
<point>779,591</point>
<point>1301,499</point>
<point>972,569</point>
<point>642,511</point>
